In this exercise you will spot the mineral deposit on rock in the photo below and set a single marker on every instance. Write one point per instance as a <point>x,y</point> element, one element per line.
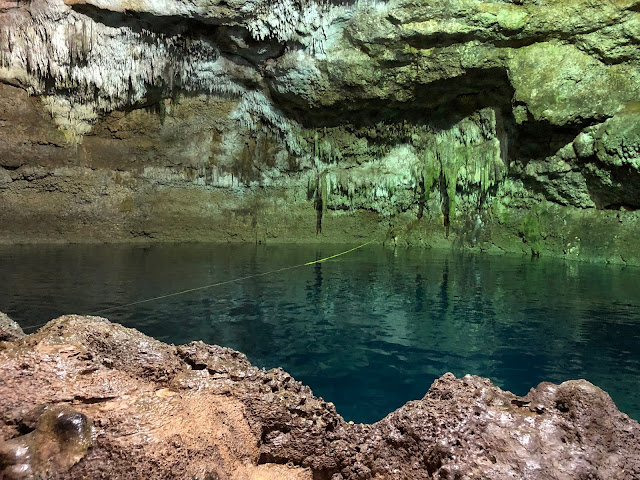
<point>504,126</point>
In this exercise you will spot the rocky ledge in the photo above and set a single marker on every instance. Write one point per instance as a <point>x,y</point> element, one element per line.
<point>85,398</point>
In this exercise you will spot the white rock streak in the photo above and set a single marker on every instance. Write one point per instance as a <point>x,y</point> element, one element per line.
<point>83,67</point>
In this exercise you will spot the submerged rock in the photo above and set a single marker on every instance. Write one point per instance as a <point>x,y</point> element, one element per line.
<point>201,411</point>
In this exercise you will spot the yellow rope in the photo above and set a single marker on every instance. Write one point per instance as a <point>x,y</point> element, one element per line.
<point>34,326</point>
<point>193,290</point>
<point>338,254</point>
<point>235,280</point>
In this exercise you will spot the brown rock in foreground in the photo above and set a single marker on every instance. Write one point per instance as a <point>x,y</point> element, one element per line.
<point>200,411</point>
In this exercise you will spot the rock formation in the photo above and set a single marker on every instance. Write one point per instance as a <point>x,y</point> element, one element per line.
<point>505,125</point>
<point>84,398</point>
<point>9,330</point>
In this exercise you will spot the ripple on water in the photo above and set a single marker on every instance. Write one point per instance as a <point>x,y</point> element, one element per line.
<point>367,332</point>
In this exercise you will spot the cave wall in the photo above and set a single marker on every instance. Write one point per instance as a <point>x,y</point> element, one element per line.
<point>504,126</point>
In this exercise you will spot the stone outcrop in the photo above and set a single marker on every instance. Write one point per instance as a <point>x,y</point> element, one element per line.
<point>499,125</point>
<point>9,330</point>
<point>84,398</point>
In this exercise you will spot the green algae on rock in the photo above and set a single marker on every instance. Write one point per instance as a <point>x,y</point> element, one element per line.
<point>440,124</point>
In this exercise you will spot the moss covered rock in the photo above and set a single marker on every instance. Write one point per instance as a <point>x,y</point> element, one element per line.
<point>458,123</point>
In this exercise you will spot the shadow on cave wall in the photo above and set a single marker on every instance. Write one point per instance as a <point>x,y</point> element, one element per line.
<point>438,105</point>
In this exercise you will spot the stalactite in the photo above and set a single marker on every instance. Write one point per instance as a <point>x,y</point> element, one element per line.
<point>110,67</point>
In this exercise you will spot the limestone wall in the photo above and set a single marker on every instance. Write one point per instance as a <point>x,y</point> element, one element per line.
<point>502,126</point>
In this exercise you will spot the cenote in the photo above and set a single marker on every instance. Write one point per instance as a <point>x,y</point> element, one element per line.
<point>367,331</point>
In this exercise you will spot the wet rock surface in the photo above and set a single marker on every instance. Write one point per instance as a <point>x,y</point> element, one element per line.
<point>127,406</point>
<point>60,439</point>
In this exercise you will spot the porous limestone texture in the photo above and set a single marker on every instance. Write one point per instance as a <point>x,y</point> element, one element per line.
<point>506,126</point>
<point>85,398</point>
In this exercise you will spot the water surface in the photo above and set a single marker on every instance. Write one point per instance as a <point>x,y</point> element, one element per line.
<point>368,331</point>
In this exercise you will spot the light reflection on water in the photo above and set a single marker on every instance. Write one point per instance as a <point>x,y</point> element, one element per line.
<point>368,331</point>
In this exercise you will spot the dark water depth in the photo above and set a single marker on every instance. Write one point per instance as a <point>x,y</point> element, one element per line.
<point>368,331</point>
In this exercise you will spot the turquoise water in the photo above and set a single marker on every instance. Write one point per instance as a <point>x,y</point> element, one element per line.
<point>368,331</point>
